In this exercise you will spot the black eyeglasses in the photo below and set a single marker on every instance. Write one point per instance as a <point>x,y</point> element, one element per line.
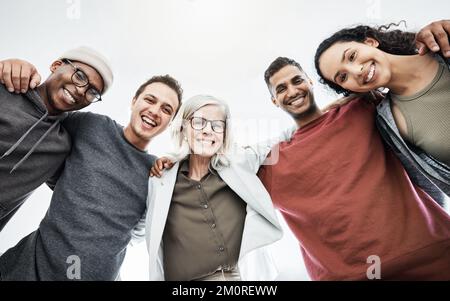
<point>199,123</point>
<point>80,79</point>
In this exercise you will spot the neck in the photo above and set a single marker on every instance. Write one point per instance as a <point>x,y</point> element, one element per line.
<point>408,72</point>
<point>198,166</point>
<point>134,140</point>
<point>43,94</point>
<point>303,120</point>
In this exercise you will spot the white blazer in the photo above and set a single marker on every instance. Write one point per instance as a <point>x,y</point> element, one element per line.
<point>261,226</point>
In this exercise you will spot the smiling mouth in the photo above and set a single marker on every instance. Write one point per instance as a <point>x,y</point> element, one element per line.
<point>70,99</point>
<point>148,121</point>
<point>204,141</point>
<point>371,74</point>
<point>296,101</point>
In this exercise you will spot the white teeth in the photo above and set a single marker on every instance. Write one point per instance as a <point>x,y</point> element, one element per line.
<point>148,121</point>
<point>298,101</point>
<point>71,99</point>
<point>206,141</point>
<point>371,73</point>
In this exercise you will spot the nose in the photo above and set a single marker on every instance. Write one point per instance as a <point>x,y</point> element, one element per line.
<point>356,69</point>
<point>208,128</point>
<point>154,110</point>
<point>81,91</point>
<point>291,91</point>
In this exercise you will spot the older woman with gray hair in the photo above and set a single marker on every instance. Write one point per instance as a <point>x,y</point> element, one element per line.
<point>209,217</point>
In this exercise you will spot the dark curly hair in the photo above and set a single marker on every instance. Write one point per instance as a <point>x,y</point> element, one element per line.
<point>391,41</point>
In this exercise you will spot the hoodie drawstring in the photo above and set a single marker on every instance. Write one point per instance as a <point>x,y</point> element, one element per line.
<point>12,148</point>
<point>34,146</point>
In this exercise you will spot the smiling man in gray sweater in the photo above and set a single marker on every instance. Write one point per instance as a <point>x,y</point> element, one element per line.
<point>33,144</point>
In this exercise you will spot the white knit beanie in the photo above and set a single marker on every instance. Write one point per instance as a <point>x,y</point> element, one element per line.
<point>94,59</point>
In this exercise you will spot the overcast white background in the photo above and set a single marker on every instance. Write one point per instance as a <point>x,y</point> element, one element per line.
<point>219,47</point>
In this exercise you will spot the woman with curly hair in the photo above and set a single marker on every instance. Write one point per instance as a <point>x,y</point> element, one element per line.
<point>414,117</point>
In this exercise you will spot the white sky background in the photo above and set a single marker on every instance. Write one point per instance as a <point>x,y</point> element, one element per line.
<point>218,47</point>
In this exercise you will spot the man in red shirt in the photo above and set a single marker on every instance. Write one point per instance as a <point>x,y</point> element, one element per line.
<point>345,196</point>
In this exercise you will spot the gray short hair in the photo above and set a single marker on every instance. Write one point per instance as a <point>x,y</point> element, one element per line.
<point>186,111</point>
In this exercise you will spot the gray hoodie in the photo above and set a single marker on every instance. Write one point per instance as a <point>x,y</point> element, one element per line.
<point>33,147</point>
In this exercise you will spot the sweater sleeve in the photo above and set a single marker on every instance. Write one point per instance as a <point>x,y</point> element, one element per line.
<point>258,154</point>
<point>72,121</point>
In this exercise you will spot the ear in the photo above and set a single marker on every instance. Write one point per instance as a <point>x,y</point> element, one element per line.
<point>55,65</point>
<point>133,101</point>
<point>274,101</point>
<point>183,133</point>
<point>371,42</point>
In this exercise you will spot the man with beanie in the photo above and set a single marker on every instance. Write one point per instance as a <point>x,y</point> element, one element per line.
<point>34,144</point>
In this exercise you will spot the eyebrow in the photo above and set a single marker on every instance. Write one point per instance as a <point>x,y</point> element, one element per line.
<point>154,97</point>
<point>279,86</point>
<point>335,76</point>
<point>342,60</point>
<point>343,55</point>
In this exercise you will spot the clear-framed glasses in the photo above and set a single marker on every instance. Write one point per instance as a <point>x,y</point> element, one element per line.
<point>199,123</point>
<point>80,79</point>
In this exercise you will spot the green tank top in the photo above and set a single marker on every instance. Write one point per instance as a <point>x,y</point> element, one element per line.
<point>427,115</point>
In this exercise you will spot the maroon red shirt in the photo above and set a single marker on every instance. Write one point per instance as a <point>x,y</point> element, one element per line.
<point>346,197</point>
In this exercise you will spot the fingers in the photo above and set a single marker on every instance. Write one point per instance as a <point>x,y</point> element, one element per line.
<point>153,172</point>
<point>15,76</point>
<point>24,79</point>
<point>35,78</point>
<point>427,42</point>
<point>434,37</point>
<point>421,48</point>
<point>6,76</point>
<point>442,38</point>
<point>18,75</point>
<point>159,166</point>
<point>168,163</point>
<point>29,78</point>
<point>447,30</point>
